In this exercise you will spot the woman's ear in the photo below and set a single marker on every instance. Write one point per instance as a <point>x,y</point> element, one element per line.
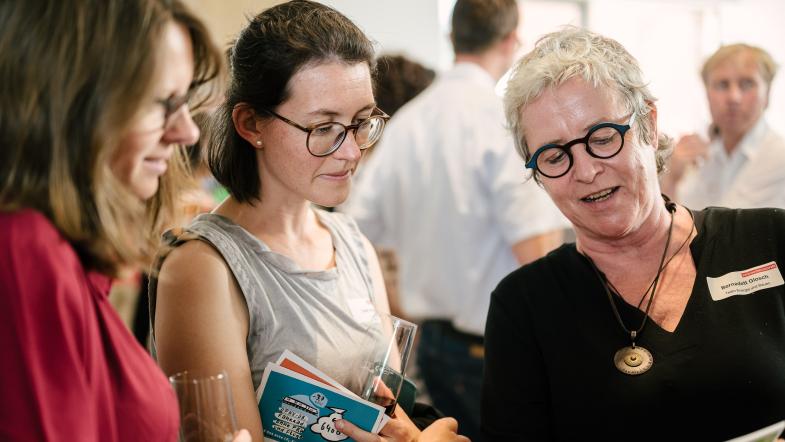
<point>247,124</point>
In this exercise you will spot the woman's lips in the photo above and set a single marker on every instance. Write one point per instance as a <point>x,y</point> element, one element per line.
<point>338,175</point>
<point>157,166</point>
<point>600,196</point>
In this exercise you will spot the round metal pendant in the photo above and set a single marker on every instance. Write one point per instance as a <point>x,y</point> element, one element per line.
<point>633,360</point>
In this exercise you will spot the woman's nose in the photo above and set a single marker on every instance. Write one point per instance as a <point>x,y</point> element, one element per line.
<point>181,129</point>
<point>585,167</point>
<point>349,150</point>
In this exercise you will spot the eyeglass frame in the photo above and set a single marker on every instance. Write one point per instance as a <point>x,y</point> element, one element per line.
<point>384,117</point>
<point>173,104</point>
<point>621,128</point>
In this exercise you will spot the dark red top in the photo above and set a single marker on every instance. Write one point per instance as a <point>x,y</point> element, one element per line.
<point>70,369</point>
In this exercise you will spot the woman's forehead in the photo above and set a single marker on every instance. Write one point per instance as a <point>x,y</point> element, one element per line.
<point>330,84</point>
<point>572,106</point>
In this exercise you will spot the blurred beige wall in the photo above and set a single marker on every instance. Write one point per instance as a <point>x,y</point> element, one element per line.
<point>423,39</point>
<point>225,18</point>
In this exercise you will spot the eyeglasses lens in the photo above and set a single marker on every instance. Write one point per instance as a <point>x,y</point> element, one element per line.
<point>604,142</point>
<point>369,132</point>
<point>323,138</point>
<point>326,138</point>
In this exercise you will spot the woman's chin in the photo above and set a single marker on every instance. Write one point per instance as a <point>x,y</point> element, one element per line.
<point>334,199</point>
<point>144,189</point>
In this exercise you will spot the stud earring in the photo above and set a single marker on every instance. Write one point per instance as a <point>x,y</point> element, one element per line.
<point>258,142</point>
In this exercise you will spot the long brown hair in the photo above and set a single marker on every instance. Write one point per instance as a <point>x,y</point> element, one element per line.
<point>73,75</point>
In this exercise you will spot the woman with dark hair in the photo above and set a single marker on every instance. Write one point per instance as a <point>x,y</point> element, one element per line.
<point>94,106</point>
<point>269,271</point>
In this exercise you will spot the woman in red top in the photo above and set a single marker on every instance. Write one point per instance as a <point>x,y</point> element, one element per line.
<point>93,105</point>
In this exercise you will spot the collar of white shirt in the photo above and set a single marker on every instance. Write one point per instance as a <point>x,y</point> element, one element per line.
<point>750,144</point>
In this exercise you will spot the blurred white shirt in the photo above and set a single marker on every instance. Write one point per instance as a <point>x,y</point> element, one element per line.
<point>753,175</point>
<point>446,190</point>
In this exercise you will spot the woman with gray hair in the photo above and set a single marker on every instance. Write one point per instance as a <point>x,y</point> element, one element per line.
<point>656,313</point>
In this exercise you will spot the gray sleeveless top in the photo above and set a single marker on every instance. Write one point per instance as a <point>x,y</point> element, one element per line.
<point>327,317</point>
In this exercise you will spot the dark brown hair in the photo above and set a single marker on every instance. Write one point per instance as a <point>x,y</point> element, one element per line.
<point>74,73</point>
<point>398,80</point>
<point>478,24</point>
<point>272,48</point>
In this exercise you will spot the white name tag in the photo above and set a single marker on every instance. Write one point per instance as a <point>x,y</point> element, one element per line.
<point>745,282</point>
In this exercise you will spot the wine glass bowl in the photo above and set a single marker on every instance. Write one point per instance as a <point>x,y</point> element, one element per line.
<point>206,406</point>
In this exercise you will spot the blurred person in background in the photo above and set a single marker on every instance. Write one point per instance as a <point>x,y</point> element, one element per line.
<point>397,80</point>
<point>93,111</point>
<point>267,271</point>
<point>448,194</point>
<point>658,323</point>
<point>742,164</point>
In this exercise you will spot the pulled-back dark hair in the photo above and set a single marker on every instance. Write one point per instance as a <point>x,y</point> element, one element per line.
<point>274,46</point>
<point>478,24</point>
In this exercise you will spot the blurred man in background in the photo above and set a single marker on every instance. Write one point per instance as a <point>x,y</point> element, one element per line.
<point>743,163</point>
<point>449,194</point>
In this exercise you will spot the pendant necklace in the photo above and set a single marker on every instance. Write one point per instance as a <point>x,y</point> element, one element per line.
<point>634,359</point>
<point>664,266</point>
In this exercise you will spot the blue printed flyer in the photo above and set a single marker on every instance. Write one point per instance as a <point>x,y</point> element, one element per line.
<point>299,408</point>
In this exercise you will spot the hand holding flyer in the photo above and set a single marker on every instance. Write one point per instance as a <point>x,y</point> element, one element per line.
<point>298,403</point>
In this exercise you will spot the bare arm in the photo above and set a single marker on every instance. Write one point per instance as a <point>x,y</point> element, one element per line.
<point>535,247</point>
<point>201,324</point>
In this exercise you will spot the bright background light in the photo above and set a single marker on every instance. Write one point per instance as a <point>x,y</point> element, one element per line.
<point>670,38</point>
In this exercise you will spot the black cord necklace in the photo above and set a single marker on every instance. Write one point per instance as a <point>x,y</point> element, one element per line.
<point>664,266</point>
<point>634,359</point>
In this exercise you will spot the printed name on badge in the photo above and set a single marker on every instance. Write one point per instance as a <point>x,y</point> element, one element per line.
<point>745,282</point>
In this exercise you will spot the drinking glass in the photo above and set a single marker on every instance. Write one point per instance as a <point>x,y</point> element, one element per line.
<point>206,407</point>
<point>385,367</point>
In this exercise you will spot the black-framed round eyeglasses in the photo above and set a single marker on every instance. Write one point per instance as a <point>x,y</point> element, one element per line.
<point>325,138</point>
<point>604,140</point>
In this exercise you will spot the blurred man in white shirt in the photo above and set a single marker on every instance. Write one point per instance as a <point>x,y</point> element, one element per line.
<point>743,163</point>
<point>447,191</point>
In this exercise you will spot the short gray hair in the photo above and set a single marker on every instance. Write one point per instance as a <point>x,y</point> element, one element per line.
<point>600,61</point>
